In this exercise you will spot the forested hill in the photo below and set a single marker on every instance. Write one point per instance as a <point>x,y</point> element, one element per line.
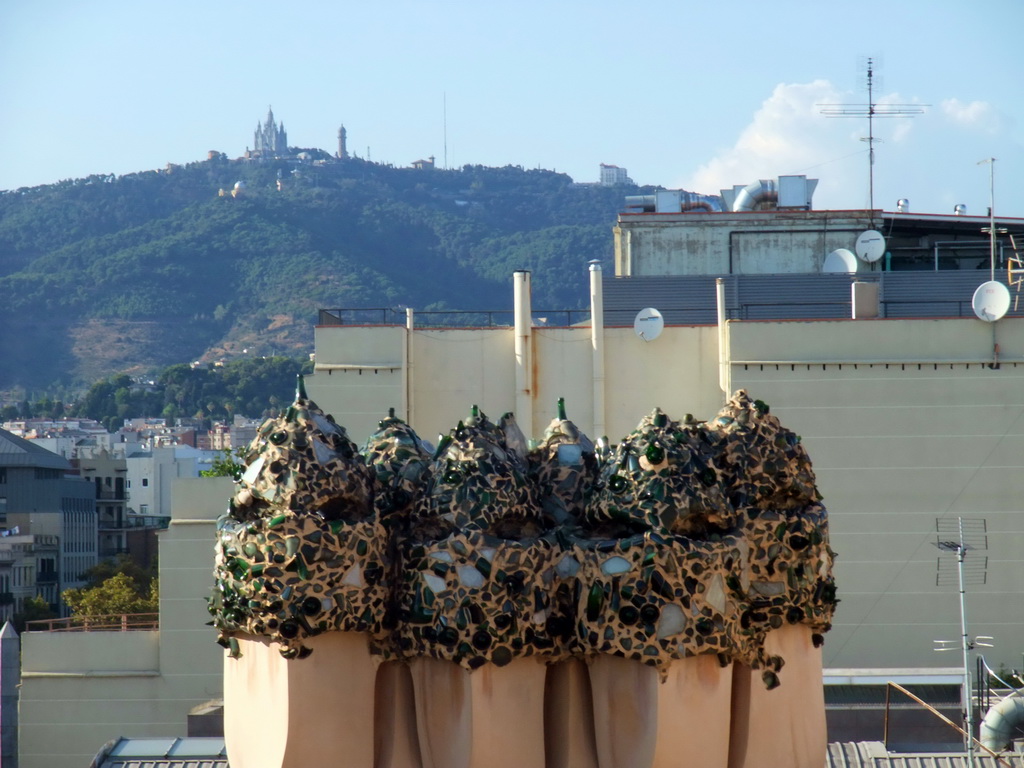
<point>128,274</point>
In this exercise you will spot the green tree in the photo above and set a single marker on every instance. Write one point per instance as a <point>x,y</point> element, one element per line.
<point>227,463</point>
<point>122,564</point>
<point>117,595</point>
<point>34,609</point>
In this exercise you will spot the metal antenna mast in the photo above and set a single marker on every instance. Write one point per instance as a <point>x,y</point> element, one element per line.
<point>871,110</point>
<point>969,535</point>
<point>991,230</point>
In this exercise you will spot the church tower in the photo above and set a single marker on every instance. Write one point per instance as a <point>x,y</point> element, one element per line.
<point>269,140</point>
<point>342,137</point>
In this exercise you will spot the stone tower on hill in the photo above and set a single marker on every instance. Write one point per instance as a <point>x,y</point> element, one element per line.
<point>342,140</point>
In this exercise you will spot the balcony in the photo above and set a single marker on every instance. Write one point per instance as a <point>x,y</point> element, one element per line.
<point>159,522</point>
<point>111,495</point>
<point>46,577</point>
<point>133,523</point>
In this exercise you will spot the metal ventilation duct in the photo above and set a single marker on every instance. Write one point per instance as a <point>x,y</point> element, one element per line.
<point>790,192</point>
<point>755,194</point>
<point>669,201</point>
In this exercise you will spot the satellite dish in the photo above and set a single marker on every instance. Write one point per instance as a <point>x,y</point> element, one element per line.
<point>991,301</point>
<point>648,324</point>
<point>870,246</point>
<point>841,260</point>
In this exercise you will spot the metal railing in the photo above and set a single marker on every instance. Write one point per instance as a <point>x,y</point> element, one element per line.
<point>460,318</point>
<point>115,623</point>
<point>126,522</point>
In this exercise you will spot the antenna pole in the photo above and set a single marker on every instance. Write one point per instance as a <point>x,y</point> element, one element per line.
<point>871,111</point>
<point>445,109</point>
<point>991,215</point>
<point>966,646</point>
<point>871,140</point>
<point>976,531</point>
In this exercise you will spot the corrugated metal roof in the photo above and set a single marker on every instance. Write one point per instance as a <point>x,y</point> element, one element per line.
<point>937,695</point>
<point>872,754</point>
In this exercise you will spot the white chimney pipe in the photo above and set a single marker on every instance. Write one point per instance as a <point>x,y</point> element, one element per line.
<point>524,352</point>
<point>597,345</point>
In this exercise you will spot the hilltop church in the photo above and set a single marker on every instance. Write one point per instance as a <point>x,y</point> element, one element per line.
<point>269,140</point>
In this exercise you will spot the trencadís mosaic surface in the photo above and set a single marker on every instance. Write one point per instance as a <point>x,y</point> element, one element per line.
<point>685,538</point>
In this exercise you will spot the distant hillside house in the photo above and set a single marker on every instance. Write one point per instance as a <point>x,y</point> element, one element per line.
<point>269,140</point>
<point>612,175</point>
<point>421,165</point>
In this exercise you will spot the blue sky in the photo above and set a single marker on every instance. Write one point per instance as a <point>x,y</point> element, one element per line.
<point>697,96</point>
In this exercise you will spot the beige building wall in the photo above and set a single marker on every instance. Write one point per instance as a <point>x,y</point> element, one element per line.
<point>454,369</point>
<point>903,419</point>
<point>905,422</point>
<point>363,368</point>
<point>81,689</point>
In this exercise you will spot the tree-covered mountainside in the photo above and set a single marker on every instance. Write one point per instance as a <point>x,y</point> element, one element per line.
<point>256,387</point>
<point>130,274</point>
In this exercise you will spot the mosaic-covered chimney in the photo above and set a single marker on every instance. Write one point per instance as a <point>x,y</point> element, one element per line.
<point>582,583</point>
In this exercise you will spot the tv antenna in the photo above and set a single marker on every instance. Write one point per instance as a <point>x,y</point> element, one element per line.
<point>960,536</point>
<point>871,110</point>
<point>1015,267</point>
<point>991,230</point>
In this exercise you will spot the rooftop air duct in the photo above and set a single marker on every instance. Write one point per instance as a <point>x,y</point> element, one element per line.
<point>756,194</point>
<point>669,201</point>
<point>791,192</point>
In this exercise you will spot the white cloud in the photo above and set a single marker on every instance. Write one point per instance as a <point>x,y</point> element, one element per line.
<point>790,135</point>
<point>977,115</point>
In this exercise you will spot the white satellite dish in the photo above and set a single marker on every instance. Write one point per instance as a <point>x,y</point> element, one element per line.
<point>870,246</point>
<point>991,301</point>
<point>841,260</point>
<point>648,324</point>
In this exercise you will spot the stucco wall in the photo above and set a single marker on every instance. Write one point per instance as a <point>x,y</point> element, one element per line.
<point>894,446</point>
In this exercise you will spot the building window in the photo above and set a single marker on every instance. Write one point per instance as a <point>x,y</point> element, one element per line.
<point>145,482</point>
<point>143,509</point>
